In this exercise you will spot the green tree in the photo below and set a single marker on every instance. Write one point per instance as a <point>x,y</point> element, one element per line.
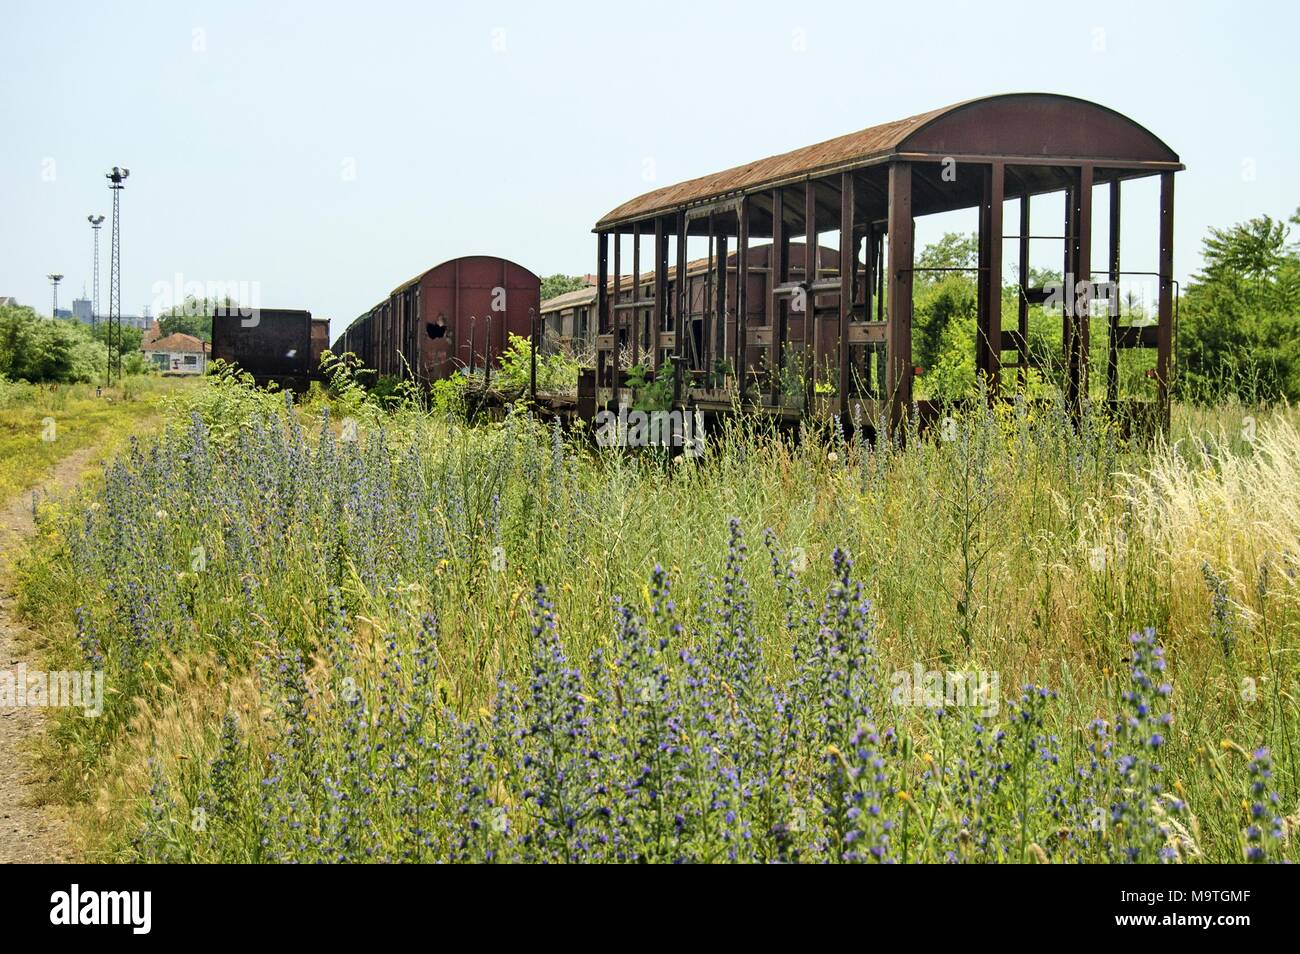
<point>559,284</point>
<point>193,317</point>
<point>1255,250</point>
<point>936,306</point>
<point>1240,317</point>
<point>954,250</point>
<point>37,349</point>
<point>130,340</point>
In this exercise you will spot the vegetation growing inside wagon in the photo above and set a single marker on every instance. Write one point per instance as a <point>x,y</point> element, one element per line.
<point>1239,330</point>
<point>411,639</point>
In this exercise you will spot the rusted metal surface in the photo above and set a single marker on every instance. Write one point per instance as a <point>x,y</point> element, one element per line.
<point>1034,126</point>
<point>320,340</point>
<point>273,344</point>
<point>1165,313</point>
<point>898,382</point>
<point>458,314</point>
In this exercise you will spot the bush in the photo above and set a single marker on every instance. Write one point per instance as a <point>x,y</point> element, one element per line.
<point>556,373</point>
<point>38,349</point>
<point>1239,331</point>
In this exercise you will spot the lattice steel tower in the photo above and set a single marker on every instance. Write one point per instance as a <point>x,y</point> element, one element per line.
<point>95,222</point>
<point>54,280</point>
<point>116,181</point>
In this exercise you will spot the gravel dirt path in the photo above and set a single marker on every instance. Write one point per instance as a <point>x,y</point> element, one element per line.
<point>30,832</point>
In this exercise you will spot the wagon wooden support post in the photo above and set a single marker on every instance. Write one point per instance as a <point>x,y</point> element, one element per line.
<point>720,304</point>
<point>881,293</point>
<point>1069,262</point>
<point>682,306</point>
<point>898,383</point>
<point>776,311</point>
<point>809,302</point>
<point>661,291</point>
<point>1112,331</point>
<point>1022,298</point>
<point>848,258</point>
<point>1083,283</point>
<point>635,311</point>
<point>742,298</point>
<point>616,316</point>
<point>868,281</point>
<point>988,345</point>
<point>602,303</point>
<point>1165,309</point>
<point>706,308</point>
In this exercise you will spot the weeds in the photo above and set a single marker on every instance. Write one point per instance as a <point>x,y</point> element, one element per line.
<point>416,640</point>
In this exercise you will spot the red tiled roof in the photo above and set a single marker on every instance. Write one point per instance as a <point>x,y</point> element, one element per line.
<point>178,343</point>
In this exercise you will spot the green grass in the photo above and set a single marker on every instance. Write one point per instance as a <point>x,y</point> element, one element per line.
<point>42,424</point>
<point>1022,547</point>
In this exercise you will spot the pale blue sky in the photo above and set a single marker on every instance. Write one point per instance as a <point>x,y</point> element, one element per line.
<point>509,128</point>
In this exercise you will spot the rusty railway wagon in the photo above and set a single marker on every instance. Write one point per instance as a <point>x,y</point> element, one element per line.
<point>280,345</point>
<point>867,188</point>
<point>457,315</point>
<point>796,335</point>
<point>568,319</point>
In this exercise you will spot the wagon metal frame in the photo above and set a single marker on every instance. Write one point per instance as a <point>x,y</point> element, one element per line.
<point>869,186</point>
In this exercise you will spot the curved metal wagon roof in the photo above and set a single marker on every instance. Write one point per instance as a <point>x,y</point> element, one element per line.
<point>1037,127</point>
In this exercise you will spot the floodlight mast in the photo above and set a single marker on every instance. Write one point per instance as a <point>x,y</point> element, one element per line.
<point>55,278</point>
<point>116,182</point>
<point>95,222</point>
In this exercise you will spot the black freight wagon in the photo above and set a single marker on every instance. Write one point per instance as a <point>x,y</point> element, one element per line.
<point>283,345</point>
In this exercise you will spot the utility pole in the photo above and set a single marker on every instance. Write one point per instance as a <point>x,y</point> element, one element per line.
<point>116,181</point>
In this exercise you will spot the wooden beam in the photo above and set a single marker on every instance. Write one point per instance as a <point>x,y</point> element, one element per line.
<point>721,303</point>
<point>1022,301</point>
<point>706,329</point>
<point>1165,311</point>
<point>602,296</point>
<point>682,324</point>
<point>993,277</point>
<point>636,294</point>
<point>1083,280</point>
<point>616,320</point>
<point>776,317</point>
<point>898,385</point>
<point>1112,331</point>
<point>868,294</point>
<point>848,257</point>
<point>1069,263</point>
<point>661,291</point>
<point>742,295</point>
<point>809,276</point>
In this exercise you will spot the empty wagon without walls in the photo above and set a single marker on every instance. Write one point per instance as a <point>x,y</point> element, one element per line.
<point>869,187</point>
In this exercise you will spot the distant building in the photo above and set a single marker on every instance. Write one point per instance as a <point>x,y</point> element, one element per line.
<point>62,313</point>
<point>177,353</point>
<point>83,310</point>
<point>8,301</point>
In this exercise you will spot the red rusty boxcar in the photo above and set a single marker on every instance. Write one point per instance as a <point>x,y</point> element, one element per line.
<point>456,315</point>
